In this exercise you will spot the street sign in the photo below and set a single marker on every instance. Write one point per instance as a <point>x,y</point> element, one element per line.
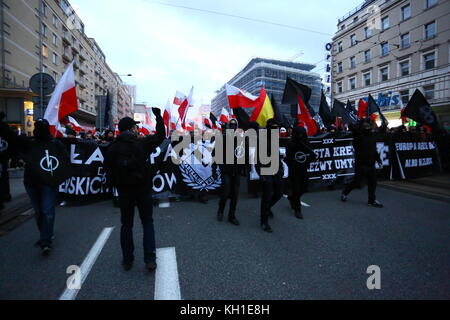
<point>48,84</point>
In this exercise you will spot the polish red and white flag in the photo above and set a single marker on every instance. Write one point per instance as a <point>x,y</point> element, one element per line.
<point>184,105</point>
<point>224,116</point>
<point>63,101</point>
<point>240,98</point>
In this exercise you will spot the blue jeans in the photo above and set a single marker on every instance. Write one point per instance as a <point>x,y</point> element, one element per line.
<point>143,200</point>
<point>43,199</point>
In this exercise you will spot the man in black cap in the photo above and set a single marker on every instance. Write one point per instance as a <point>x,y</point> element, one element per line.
<point>130,172</point>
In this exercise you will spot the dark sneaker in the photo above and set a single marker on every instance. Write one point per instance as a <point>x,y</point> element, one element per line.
<point>151,266</point>
<point>46,250</point>
<point>376,204</point>
<point>127,265</point>
<point>299,215</point>
<point>266,227</point>
<point>234,221</point>
<point>344,198</point>
<point>220,216</point>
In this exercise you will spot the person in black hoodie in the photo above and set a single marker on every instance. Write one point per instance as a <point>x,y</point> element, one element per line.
<point>6,135</point>
<point>230,173</point>
<point>298,156</point>
<point>272,184</point>
<point>41,178</point>
<point>366,154</point>
<point>129,171</point>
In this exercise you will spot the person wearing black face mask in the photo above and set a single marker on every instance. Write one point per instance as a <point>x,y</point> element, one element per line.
<point>272,185</point>
<point>366,154</point>
<point>230,173</point>
<point>298,156</point>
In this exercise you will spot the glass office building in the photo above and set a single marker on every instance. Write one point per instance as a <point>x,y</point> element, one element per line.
<point>272,75</point>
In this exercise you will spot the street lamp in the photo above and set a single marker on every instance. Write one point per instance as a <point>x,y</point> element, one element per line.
<point>125,75</point>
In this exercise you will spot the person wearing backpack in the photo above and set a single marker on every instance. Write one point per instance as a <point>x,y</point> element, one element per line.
<point>129,171</point>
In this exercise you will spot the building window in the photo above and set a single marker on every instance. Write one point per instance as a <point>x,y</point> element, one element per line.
<point>430,3</point>
<point>385,23</point>
<point>352,62</point>
<point>367,32</point>
<point>44,68</point>
<point>340,49</point>
<point>384,49</point>
<point>352,83</point>
<point>43,8</point>
<point>340,67</point>
<point>404,68</point>
<point>45,51</point>
<point>339,87</point>
<point>405,41</point>
<point>429,92</point>
<point>406,12</point>
<point>404,96</point>
<point>44,30</point>
<point>367,79</point>
<point>55,76</point>
<point>367,56</point>
<point>430,30</point>
<point>54,58</point>
<point>429,60</point>
<point>353,40</point>
<point>384,74</point>
<point>54,20</point>
<point>55,39</point>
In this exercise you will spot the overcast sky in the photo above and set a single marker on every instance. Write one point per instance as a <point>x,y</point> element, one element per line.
<point>168,48</point>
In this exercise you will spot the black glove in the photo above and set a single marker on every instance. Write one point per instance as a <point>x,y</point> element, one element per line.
<point>156,112</point>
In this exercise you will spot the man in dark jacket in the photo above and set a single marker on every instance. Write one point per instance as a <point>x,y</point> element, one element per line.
<point>129,171</point>
<point>230,173</point>
<point>298,156</point>
<point>272,184</point>
<point>366,154</point>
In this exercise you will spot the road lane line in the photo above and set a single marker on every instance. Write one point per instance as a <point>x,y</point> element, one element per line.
<point>304,204</point>
<point>167,285</point>
<point>88,263</point>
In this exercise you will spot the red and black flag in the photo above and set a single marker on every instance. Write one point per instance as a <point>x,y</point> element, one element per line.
<point>373,107</point>
<point>242,117</point>
<point>420,110</point>
<point>276,110</point>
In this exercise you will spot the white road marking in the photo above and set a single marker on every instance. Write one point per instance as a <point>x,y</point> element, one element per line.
<point>86,266</point>
<point>305,204</point>
<point>167,285</point>
<point>164,205</point>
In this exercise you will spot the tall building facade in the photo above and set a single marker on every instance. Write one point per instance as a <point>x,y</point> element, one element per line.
<point>46,36</point>
<point>390,48</point>
<point>272,75</point>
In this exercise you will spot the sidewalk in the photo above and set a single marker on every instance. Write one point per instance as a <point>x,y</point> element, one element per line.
<point>436,187</point>
<point>18,210</point>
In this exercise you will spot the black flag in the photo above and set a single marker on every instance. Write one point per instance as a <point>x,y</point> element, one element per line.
<point>108,109</point>
<point>325,112</point>
<point>339,110</point>
<point>213,119</point>
<point>242,117</point>
<point>420,110</point>
<point>276,110</point>
<point>350,107</point>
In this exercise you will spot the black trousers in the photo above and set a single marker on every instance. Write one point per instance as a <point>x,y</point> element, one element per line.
<point>299,185</point>
<point>364,172</point>
<point>142,199</point>
<point>230,190</point>
<point>272,192</point>
<point>4,181</point>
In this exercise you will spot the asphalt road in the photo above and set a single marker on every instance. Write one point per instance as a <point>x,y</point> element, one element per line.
<point>325,256</point>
